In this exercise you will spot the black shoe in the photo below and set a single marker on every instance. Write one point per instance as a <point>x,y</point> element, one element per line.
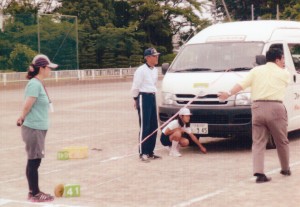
<point>262,178</point>
<point>286,172</point>
<point>154,157</point>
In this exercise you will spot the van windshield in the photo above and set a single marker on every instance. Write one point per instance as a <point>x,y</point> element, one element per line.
<point>217,57</point>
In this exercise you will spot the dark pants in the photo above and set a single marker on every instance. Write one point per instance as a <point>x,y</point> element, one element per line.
<point>33,175</point>
<point>148,122</point>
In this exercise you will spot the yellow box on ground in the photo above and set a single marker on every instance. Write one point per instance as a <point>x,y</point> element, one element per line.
<point>77,152</point>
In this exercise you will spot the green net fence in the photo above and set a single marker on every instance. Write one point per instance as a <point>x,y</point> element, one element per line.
<point>24,36</point>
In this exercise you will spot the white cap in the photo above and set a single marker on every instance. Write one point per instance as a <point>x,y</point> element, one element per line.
<point>42,60</point>
<point>184,111</point>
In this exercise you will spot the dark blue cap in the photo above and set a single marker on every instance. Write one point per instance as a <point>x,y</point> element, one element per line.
<point>150,51</point>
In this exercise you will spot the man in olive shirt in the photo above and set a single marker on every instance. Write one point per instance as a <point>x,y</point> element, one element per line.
<point>268,86</point>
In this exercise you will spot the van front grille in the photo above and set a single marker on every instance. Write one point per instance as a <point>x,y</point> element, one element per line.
<point>215,119</point>
<point>209,99</point>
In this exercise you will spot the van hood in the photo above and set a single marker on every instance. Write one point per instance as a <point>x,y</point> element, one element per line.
<point>199,83</point>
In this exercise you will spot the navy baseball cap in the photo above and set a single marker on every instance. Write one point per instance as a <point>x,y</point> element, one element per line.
<point>150,51</point>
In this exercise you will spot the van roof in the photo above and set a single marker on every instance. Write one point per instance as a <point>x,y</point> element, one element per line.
<point>261,30</point>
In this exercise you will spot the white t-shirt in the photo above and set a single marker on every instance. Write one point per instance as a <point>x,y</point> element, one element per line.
<point>174,124</point>
<point>144,80</point>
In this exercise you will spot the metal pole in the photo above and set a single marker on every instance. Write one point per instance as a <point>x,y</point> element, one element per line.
<point>277,12</point>
<point>38,25</point>
<point>252,12</point>
<point>226,10</point>
<point>77,55</point>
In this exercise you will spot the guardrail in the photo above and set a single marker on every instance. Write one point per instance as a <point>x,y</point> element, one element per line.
<point>86,74</point>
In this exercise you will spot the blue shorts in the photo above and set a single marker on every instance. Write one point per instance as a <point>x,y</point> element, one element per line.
<point>165,140</point>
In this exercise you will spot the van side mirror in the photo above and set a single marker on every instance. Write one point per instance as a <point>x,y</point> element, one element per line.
<point>260,59</point>
<point>164,68</point>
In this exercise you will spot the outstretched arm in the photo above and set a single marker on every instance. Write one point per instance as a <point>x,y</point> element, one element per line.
<point>225,95</point>
<point>196,141</point>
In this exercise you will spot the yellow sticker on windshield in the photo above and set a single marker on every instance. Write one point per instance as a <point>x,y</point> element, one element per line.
<point>200,85</point>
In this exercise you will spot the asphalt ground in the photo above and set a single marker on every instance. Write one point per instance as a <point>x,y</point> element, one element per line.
<point>101,116</point>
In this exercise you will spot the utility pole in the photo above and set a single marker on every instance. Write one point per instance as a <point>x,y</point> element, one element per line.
<point>252,12</point>
<point>226,10</point>
<point>277,12</point>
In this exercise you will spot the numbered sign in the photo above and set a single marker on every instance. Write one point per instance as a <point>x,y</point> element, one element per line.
<point>63,155</point>
<point>199,128</point>
<point>72,190</point>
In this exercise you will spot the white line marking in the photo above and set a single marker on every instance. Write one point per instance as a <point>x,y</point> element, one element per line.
<point>3,202</point>
<point>217,192</point>
<point>6,201</point>
<point>197,199</point>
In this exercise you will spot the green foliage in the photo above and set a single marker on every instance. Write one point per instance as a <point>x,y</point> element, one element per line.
<point>58,40</point>
<point>21,57</point>
<point>115,33</point>
<point>135,60</point>
<point>167,58</point>
<point>241,9</point>
<point>292,12</point>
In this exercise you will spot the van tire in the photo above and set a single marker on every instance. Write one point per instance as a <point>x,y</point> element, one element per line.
<point>271,144</point>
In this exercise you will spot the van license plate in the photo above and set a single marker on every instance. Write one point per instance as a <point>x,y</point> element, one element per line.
<point>199,128</point>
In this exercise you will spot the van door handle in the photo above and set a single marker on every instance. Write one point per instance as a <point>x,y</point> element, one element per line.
<point>294,78</point>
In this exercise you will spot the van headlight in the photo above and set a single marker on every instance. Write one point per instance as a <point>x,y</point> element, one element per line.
<point>167,98</point>
<point>243,99</point>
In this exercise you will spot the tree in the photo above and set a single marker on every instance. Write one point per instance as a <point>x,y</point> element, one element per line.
<point>241,9</point>
<point>161,20</point>
<point>21,57</point>
<point>119,42</point>
<point>93,12</point>
<point>292,12</point>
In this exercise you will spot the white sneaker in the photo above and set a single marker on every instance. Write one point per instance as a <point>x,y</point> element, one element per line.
<point>175,153</point>
<point>168,148</point>
<point>144,158</point>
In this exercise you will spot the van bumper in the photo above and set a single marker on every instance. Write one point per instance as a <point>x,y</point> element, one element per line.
<point>222,122</point>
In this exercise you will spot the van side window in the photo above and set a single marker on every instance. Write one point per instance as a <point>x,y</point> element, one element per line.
<point>295,53</point>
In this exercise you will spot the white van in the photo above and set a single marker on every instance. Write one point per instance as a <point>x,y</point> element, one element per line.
<point>217,58</point>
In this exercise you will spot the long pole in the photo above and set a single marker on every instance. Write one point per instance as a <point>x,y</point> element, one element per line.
<point>38,25</point>
<point>77,55</point>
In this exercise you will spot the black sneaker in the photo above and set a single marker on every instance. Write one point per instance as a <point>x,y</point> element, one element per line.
<point>154,157</point>
<point>262,178</point>
<point>286,172</point>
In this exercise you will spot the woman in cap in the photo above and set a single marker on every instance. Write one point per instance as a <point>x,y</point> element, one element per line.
<point>34,123</point>
<point>178,132</point>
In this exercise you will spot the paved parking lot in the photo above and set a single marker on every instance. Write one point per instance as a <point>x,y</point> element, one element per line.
<point>101,116</point>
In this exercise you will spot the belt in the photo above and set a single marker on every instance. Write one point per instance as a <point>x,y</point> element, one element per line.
<point>147,93</point>
<point>277,101</point>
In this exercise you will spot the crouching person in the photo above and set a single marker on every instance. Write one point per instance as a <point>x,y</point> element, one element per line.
<point>178,132</point>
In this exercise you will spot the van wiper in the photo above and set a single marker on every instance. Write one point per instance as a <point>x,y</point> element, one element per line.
<point>239,69</point>
<point>192,70</point>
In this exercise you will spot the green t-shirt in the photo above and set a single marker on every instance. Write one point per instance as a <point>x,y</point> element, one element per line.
<point>37,118</point>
